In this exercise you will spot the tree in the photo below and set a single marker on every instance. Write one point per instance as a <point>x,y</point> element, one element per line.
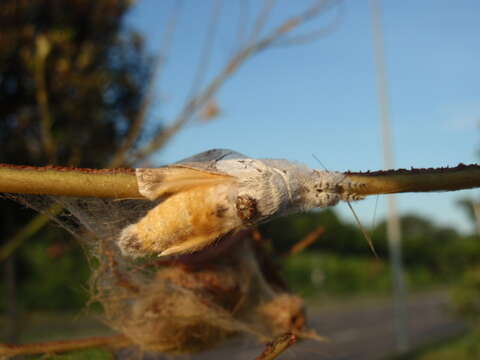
<point>72,80</point>
<point>72,84</point>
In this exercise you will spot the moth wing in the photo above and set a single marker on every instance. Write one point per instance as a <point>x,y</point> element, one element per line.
<point>195,171</point>
<point>211,156</point>
<point>169,180</point>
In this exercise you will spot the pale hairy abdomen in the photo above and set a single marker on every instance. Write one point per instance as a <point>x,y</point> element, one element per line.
<point>183,222</point>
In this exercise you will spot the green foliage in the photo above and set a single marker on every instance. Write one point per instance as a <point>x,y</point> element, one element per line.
<point>466,296</point>
<point>339,237</point>
<point>425,245</point>
<point>433,254</point>
<point>56,267</point>
<point>312,272</point>
<point>71,69</point>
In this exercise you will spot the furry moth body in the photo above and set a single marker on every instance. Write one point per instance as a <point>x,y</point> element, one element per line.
<point>211,195</point>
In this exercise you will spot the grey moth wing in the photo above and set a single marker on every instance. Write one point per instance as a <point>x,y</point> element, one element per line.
<point>211,156</point>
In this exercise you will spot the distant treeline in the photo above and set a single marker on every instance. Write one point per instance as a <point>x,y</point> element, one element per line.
<point>341,262</point>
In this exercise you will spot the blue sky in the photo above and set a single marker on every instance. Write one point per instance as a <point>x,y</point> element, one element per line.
<point>321,98</point>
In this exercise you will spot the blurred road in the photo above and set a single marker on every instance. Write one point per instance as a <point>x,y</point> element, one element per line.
<point>361,331</point>
<point>358,330</point>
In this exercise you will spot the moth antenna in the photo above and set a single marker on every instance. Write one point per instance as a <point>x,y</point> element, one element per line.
<point>359,223</point>
<point>321,164</point>
<point>363,230</point>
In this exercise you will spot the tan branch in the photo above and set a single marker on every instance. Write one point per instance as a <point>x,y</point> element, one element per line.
<point>7,350</point>
<point>416,180</point>
<point>206,53</point>
<point>306,241</point>
<point>201,99</point>
<point>315,34</point>
<point>277,346</point>
<point>262,18</point>
<point>115,183</point>
<point>137,126</point>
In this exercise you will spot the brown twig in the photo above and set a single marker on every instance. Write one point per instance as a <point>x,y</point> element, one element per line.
<point>277,346</point>
<point>116,341</point>
<point>306,241</point>
<point>136,127</point>
<point>243,20</point>
<point>115,183</point>
<point>315,34</point>
<point>262,18</point>
<point>415,180</point>
<point>41,94</point>
<point>198,101</point>
<point>207,50</point>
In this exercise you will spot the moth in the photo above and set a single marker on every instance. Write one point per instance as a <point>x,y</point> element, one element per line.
<point>207,197</point>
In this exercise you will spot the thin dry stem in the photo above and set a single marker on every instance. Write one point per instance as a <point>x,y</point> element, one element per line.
<point>206,53</point>
<point>277,346</point>
<point>137,126</point>
<point>243,20</point>
<point>416,180</point>
<point>41,94</point>
<point>262,18</point>
<point>306,241</point>
<point>313,35</point>
<point>198,101</point>
<point>116,341</point>
<point>118,183</point>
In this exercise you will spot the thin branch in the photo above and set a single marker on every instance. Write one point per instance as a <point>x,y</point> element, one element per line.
<point>158,65</point>
<point>415,180</point>
<point>262,18</point>
<point>202,98</point>
<point>118,341</point>
<point>243,20</point>
<point>316,34</point>
<point>277,346</point>
<point>115,183</point>
<point>207,50</point>
<point>306,241</point>
<point>41,94</point>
